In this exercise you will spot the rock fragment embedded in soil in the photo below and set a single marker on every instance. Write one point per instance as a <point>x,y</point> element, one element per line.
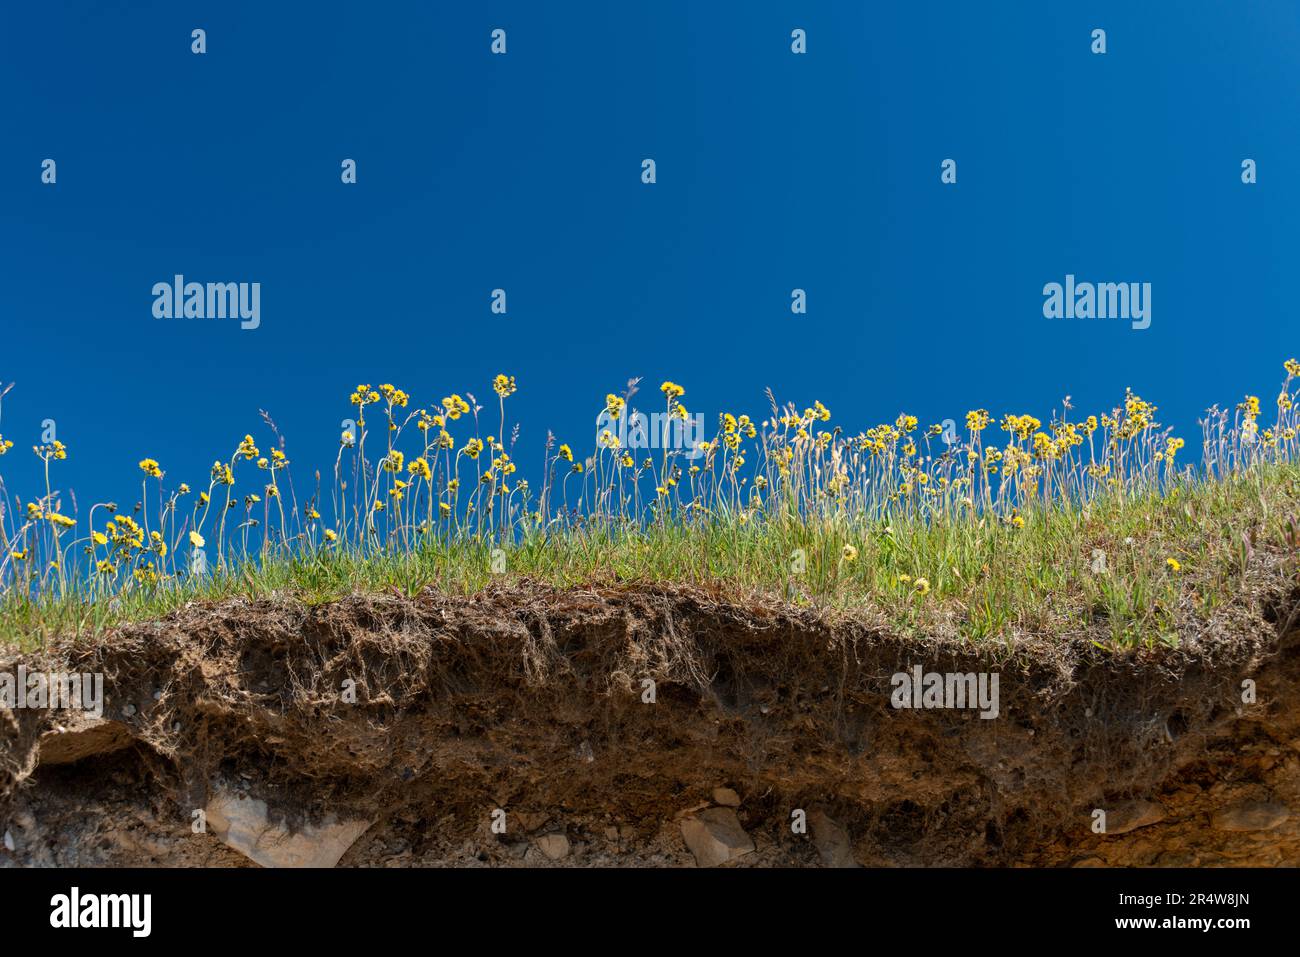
<point>554,846</point>
<point>529,821</point>
<point>831,840</point>
<point>1251,816</point>
<point>83,736</point>
<point>1131,815</point>
<point>726,797</point>
<point>243,824</point>
<point>714,837</point>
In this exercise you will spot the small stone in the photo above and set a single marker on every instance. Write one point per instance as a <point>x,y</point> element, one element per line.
<point>1251,816</point>
<point>128,710</point>
<point>715,836</point>
<point>530,821</point>
<point>611,834</point>
<point>244,824</point>
<point>9,841</point>
<point>831,840</point>
<point>726,797</point>
<point>1131,815</point>
<point>554,846</point>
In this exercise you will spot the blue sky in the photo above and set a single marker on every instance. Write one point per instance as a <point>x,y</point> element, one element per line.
<point>522,172</point>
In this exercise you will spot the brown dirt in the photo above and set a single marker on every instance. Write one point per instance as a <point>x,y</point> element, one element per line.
<point>529,699</point>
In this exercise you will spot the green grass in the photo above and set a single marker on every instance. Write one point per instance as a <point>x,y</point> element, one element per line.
<point>988,580</point>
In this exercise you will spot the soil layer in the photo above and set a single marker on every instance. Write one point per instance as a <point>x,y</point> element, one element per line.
<point>635,725</point>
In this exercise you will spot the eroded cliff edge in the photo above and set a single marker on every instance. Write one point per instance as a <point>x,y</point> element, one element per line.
<point>663,726</point>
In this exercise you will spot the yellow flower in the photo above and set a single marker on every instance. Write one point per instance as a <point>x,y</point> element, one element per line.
<point>504,385</point>
<point>247,449</point>
<point>330,535</point>
<point>455,406</point>
<point>1174,564</point>
<point>55,450</point>
<point>566,453</point>
<point>196,540</point>
<point>150,468</point>
<point>396,397</point>
<point>922,586</point>
<point>850,553</point>
<point>672,390</point>
<point>363,396</point>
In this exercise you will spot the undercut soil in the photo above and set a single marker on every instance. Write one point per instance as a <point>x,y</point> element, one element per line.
<point>653,726</point>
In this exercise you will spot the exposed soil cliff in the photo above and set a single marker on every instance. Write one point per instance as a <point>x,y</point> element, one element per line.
<point>660,726</point>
